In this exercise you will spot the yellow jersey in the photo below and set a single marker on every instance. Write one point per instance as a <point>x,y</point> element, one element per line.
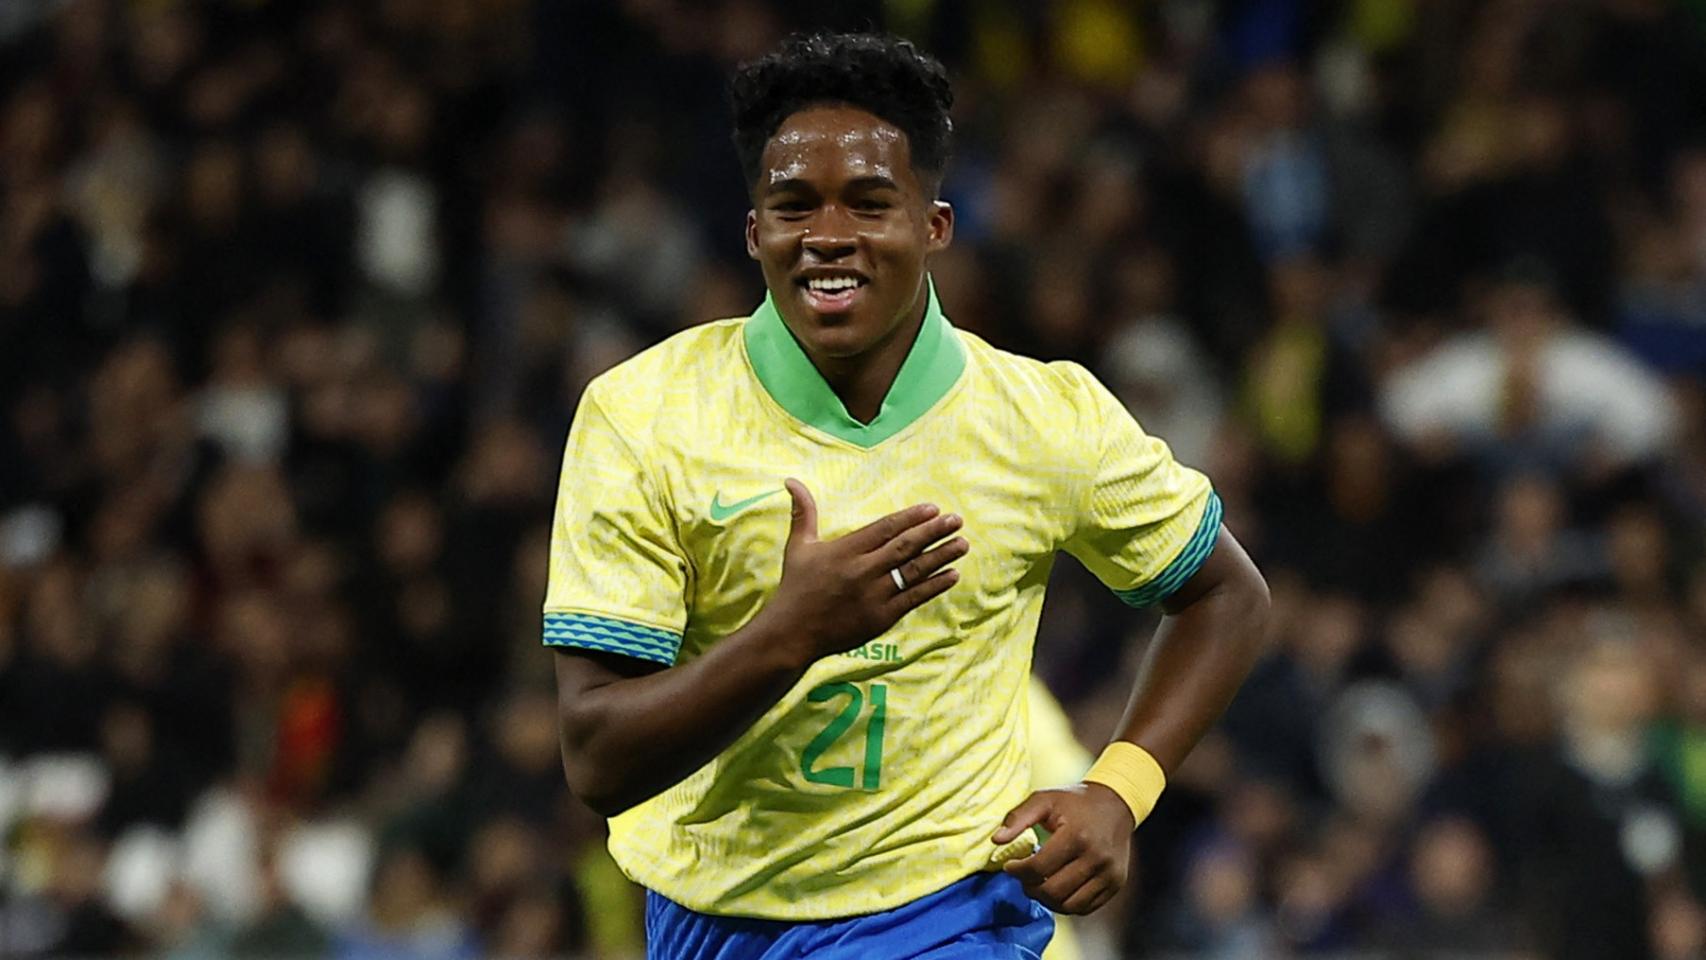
<point>881,775</point>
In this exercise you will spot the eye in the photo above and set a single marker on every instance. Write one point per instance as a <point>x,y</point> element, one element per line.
<point>790,207</point>
<point>871,205</point>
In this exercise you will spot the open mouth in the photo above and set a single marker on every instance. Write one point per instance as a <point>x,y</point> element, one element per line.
<point>833,293</point>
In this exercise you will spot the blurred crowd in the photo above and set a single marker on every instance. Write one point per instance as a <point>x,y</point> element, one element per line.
<point>297,297</point>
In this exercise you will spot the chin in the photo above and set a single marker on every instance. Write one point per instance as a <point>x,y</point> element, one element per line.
<point>840,334</point>
<point>837,338</point>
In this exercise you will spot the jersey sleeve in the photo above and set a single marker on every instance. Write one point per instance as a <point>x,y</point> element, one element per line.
<point>1145,523</point>
<point>618,577</point>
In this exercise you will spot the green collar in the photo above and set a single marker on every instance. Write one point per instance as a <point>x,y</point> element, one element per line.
<point>930,370</point>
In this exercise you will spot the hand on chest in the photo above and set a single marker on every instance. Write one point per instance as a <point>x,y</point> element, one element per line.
<point>733,521</point>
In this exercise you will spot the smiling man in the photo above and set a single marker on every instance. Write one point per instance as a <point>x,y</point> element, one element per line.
<point>798,560</point>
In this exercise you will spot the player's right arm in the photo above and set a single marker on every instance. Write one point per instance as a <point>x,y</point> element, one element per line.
<point>632,722</point>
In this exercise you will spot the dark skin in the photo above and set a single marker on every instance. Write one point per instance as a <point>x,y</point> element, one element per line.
<point>838,198</point>
<point>1206,644</point>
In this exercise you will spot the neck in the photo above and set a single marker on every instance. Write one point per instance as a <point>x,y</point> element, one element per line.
<point>863,380</point>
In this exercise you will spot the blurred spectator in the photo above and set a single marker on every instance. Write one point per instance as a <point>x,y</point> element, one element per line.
<point>1596,822</point>
<point>1274,721</point>
<point>183,931</point>
<point>68,917</point>
<point>1377,752</point>
<point>280,927</point>
<point>1222,918</point>
<point>241,409</point>
<point>1453,880</point>
<point>1529,554</point>
<point>1531,391</point>
<point>1153,364</point>
<point>1298,375</point>
<point>408,916</point>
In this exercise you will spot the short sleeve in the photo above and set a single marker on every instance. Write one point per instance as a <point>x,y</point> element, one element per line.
<point>1145,522</point>
<point>618,577</point>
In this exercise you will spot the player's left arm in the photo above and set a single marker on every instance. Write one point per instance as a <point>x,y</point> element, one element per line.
<point>1206,644</point>
<point>1150,529</point>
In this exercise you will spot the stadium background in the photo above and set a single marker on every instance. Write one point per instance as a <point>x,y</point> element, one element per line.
<point>296,299</point>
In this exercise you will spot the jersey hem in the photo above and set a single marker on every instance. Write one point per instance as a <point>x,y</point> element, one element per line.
<point>908,895</point>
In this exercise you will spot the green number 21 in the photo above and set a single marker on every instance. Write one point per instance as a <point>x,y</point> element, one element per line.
<point>843,776</point>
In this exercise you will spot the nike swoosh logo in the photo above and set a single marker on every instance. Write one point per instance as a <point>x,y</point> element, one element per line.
<point>721,511</point>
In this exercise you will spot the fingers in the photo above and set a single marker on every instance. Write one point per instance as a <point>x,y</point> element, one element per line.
<point>1063,884</point>
<point>1034,810</point>
<point>897,541</point>
<point>802,525</point>
<point>1088,898</point>
<point>933,560</point>
<point>918,594</point>
<point>883,529</point>
<point>912,541</point>
<point>1035,869</point>
<point>1085,859</point>
<point>1067,875</point>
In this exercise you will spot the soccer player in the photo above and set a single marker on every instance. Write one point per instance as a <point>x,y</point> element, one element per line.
<point>798,559</point>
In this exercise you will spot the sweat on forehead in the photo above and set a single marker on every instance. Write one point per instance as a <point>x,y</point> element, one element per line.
<point>841,136</point>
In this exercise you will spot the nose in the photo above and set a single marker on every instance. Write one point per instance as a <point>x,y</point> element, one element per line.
<point>831,236</point>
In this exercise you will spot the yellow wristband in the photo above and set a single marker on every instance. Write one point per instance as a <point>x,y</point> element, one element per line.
<point>1128,770</point>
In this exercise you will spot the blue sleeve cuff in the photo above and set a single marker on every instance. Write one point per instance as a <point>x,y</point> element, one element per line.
<point>1185,565</point>
<point>609,635</point>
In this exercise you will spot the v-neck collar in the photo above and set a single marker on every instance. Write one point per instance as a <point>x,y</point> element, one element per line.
<point>931,368</point>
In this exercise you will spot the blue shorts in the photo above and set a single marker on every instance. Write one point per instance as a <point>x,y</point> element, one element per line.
<point>986,916</point>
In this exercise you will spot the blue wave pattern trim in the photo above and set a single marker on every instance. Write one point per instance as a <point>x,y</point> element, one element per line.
<point>1185,565</point>
<point>609,635</point>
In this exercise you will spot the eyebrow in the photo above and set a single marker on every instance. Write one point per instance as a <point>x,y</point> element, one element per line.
<point>873,182</point>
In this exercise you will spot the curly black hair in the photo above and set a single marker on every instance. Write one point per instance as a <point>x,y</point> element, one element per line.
<point>887,76</point>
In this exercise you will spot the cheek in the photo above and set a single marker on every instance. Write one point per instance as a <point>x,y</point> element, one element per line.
<point>901,241</point>
<point>777,246</point>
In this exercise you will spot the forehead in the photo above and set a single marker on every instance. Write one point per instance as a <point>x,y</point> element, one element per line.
<point>836,142</point>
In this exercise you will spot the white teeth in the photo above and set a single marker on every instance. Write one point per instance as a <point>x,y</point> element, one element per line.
<point>832,284</point>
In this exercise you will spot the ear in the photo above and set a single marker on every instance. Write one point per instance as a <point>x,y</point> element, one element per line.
<point>940,227</point>
<point>752,234</point>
